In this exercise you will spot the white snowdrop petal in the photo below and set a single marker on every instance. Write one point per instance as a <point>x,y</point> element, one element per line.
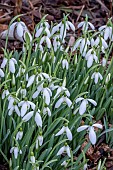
<point>92,135</point>
<point>82,45</point>
<point>104,43</point>
<point>16,152</point>
<point>4,62</point>
<point>69,134</point>
<point>62,130</point>
<point>38,32</point>
<point>61,150</point>
<point>79,99</point>
<point>100,76</point>
<point>48,42</point>
<point>28,116</point>
<point>11,150</point>
<point>19,30</point>
<point>97,125</point>
<point>11,66</point>
<point>1,73</point>
<point>82,108</point>
<point>40,138</point>
<point>59,102</point>
<point>68,151</point>
<point>48,32</point>
<point>90,61</point>
<point>11,101</point>
<point>49,112</point>
<point>42,40</point>
<point>31,80</point>
<point>38,119</point>
<point>106,34</point>
<point>32,158</point>
<point>88,54</point>
<point>17,110</point>
<point>80,24</point>
<point>21,103</point>
<point>68,101</point>
<point>71,25</point>
<point>46,75</point>
<point>46,96</point>
<point>14,60</point>
<point>93,75</point>
<point>95,58</point>
<point>92,101</point>
<point>97,41</point>
<point>32,105</point>
<point>58,92</point>
<point>55,29</point>
<point>81,128</point>
<point>102,27</point>
<point>11,111</point>
<point>35,94</point>
<point>91,25</point>
<point>96,78</point>
<point>67,93</point>
<point>23,109</point>
<point>63,64</point>
<point>104,62</point>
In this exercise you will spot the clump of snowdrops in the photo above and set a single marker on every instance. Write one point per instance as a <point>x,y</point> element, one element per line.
<point>53,95</point>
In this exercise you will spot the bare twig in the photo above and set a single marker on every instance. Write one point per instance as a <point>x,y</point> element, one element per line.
<point>80,13</point>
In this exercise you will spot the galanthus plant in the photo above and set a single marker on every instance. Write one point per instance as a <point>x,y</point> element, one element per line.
<point>51,93</point>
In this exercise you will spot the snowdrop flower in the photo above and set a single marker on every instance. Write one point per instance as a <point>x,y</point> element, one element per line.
<point>13,106</point>
<point>39,89</point>
<point>40,76</point>
<point>64,163</point>
<point>66,149</point>
<point>16,151</point>
<point>46,93</point>
<point>25,105</point>
<point>65,64</point>
<point>90,57</point>
<point>96,76</point>
<point>21,71</point>
<point>5,93</point>
<point>100,40</point>
<point>23,91</point>
<point>11,63</point>
<point>82,43</point>
<point>104,61</point>
<point>90,128</point>
<point>108,78</point>
<point>46,110</point>
<point>39,140</point>
<point>85,25</point>
<point>106,30</point>
<point>85,167</point>
<point>17,31</point>
<point>19,134</point>
<point>62,100</point>
<point>32,158</point>
<point>43,27</point>
<point>1,73</point>
<point>47,39</point>
<point>84,103</point>
<point>67,130</point>
<point>38,118</point>
<point>63,26</point>
<point>56,43</point>
<point>62,88</point>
